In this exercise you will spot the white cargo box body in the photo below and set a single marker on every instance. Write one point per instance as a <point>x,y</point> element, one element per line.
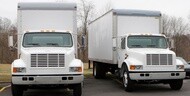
<point>116,23</point>
<point>47,16</point>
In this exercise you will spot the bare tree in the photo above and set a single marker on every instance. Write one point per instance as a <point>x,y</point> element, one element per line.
<point>107,7</point>
<point>5,24</point>
<point>173,26</point>
<point>85,13</point>
<point>166,25</point>
<point>177,28</point>
<point>6,28</point>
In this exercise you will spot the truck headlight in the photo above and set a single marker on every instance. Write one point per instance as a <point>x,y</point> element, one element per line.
<point>19,70</point>
<point>75,69</point>
<point>180,66</point>
<point>136,67</point>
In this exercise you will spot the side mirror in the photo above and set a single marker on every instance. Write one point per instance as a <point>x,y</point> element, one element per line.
<point>10,41</point>
<point>171,43</point>
<point>83,41</point>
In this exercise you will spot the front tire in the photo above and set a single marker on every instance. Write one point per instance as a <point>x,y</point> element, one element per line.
<point>17,90</point>
<point>77,90</point>
<point>176,84</point>
<point>128,84</point>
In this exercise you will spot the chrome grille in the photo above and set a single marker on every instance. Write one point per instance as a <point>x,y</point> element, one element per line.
<point>159,59</point>
<point>47,60</point>
<point>53,60</point>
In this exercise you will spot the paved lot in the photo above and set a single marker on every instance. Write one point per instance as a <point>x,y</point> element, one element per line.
<point>110,87</point>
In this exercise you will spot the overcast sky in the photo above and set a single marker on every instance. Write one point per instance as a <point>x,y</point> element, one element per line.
<point>179,8</point>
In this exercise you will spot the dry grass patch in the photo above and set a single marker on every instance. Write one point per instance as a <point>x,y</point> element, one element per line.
<point>87,72</point>
<point>5,72</point>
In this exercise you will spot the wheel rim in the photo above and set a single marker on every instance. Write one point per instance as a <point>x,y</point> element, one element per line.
<point>125,80</point>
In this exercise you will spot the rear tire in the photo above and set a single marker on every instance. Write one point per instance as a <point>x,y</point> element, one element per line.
<point>176,84</point>
<point>77,90</point>
<point>17,90</point>
<point>98,70</point>
<point>128,84</point>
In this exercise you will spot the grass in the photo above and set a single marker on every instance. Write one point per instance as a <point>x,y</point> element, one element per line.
<point>5,72</point>
<point>87,72</point>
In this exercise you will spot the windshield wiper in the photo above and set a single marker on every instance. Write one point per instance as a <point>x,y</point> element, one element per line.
<point>151,46</point>
<point>33,44</point>
<point>137,46</point>
<point>53,44</point>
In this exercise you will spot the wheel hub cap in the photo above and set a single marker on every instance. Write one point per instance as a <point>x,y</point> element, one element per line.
<point>125,81</point>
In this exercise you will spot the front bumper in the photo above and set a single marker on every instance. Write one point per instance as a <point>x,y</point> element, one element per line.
<point>47,79</point>
<point>156,75</point>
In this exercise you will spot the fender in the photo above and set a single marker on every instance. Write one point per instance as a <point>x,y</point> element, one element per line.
<point>76,63</point>
<point>179,62</point>
<point>129,61</point>
<point>17,63</point>
<point>125,63</point>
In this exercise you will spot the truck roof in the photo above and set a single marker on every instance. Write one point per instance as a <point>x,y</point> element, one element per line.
<point>145,34</point>
<point>48,30</point>
<point>46,6</point>
<point>131,12</point>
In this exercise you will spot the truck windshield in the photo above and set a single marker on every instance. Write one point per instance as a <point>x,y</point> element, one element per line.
<point>147,42</point>
<point>47,39</point>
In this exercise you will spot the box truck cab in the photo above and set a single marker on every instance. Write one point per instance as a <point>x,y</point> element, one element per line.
<point>47,48</point>
<point>130,45</point>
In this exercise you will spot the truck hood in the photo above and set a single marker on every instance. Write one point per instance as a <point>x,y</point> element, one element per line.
<point>144,51</point>
<point>47,50</point>
<point>26,53</point>
<point>140,55</point>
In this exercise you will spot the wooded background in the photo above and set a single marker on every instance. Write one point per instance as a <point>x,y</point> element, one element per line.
<point>173,27</point>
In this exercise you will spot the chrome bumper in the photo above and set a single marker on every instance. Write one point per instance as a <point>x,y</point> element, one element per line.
<point>40,79</point>
<point>156,75</point>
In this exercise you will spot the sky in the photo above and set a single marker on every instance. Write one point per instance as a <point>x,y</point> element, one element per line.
<point>178,8</point>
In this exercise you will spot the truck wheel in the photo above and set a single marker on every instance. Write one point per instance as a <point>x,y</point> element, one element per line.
<point>77,90</point>
<point>98,71</point>
<point>127,82</point>
<point>176,84</point>
<point>16,90</point>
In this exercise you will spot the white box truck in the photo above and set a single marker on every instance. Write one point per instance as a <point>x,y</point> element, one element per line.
<point>129,43</point>
<point>47,48</point>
